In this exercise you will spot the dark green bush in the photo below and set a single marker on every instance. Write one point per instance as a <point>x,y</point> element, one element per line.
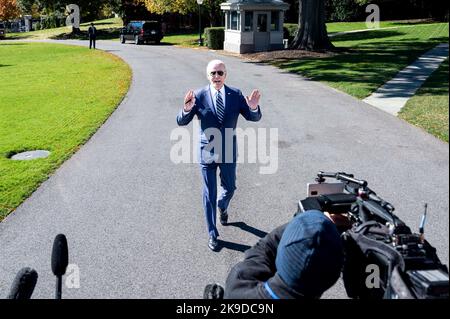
<point>345,10</point>
<point>214,37</point>
<point>52,21</point>
<point>290,30</point>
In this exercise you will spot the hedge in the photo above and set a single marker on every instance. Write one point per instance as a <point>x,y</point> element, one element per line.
<point>214,37</point>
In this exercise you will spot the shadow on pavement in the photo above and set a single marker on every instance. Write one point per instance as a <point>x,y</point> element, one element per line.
<point>103,34</point>
<point>249,229</point>
<point>232,246</point>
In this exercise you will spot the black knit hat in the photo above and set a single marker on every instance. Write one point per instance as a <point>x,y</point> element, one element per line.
<point>310,254</point>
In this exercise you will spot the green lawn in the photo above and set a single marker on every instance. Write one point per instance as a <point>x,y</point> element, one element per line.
<point>429,107</point>
<point>186,39</point>
<point>52,97</point>
<point>371,58</point>
<point>191,39</point>
<point>107,29</point>
<point>333,27</point>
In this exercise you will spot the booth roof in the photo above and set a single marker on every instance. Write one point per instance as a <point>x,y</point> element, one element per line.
<point>234,4</point>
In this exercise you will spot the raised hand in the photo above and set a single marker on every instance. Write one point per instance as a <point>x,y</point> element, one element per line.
<point>189,101</point>
<point>253,100</point>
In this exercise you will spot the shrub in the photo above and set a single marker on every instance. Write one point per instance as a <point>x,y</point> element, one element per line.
<point>214,37</point>
<point>345,10</point>
<point>52,21</point>
<point>290,30</point>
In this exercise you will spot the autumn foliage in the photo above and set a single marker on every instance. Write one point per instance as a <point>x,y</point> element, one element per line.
<point>8,10</point>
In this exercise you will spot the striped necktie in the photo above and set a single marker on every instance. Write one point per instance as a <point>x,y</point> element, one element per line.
<point>220,108</point>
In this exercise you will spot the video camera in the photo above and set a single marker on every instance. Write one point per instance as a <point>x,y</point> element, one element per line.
<point>384,259</point>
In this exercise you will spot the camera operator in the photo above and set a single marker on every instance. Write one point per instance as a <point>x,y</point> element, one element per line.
<point>301,259</point>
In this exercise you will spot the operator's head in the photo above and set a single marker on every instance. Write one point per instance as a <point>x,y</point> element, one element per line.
<point>216,73</point>
<point>310,254</point>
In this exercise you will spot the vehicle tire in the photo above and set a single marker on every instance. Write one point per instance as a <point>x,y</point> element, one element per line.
<point>122,39</point>
<point>136,40</point>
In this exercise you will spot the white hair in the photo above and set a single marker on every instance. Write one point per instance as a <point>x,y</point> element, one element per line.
<point>213,63</point>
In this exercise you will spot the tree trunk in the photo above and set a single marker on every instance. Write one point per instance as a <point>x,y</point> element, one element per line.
<point>215,16</point>
<point>312,32</point>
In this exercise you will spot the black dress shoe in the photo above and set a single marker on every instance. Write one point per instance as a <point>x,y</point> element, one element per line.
<point>213,291</point>
<point>213,243</point>
<point>223,217</point>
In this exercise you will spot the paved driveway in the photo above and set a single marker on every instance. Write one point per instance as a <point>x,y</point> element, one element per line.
<point>134,219</point>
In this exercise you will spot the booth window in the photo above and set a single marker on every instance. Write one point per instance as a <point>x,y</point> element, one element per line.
<point>262,23</point>
<point>248,21</point>
<point>234,17</point>
<point>275,21</point>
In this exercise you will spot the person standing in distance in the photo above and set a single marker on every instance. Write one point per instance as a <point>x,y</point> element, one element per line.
<point>218,106</point>
<point>92,31</point>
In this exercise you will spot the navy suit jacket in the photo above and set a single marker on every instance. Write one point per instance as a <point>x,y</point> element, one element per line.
<point>235,104</point>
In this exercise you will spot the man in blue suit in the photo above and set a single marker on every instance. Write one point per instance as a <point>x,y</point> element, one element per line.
<point>218,106</point>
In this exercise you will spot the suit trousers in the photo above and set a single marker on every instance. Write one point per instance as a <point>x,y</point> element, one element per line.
<point>91,42</point>
<point>227,182</point>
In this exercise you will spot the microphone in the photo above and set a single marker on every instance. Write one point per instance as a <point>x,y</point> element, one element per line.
<point>60,260</point>
<point>23,285</point>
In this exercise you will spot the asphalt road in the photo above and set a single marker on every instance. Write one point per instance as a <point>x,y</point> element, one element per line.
<point>134,219</point>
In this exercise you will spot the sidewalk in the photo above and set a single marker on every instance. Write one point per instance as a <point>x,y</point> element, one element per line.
<point>393,95</point>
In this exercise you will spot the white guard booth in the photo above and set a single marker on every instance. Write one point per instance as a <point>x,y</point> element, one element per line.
<point>253,25</point>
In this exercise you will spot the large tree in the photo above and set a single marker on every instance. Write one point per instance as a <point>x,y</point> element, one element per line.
<point>214,12</point>
<point>26,5</point>
<point>312,32</point>
<point>9,10</point>
<point>172,6</point>
<point>209,7</point>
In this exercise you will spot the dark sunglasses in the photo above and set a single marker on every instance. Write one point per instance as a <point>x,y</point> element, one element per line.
<point>219,73</point>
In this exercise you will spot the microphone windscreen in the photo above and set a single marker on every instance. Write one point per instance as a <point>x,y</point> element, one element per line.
<point>23,285</point>
<point>60,255</point>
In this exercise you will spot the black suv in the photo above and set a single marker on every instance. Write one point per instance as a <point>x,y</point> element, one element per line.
<point>142,31</point>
